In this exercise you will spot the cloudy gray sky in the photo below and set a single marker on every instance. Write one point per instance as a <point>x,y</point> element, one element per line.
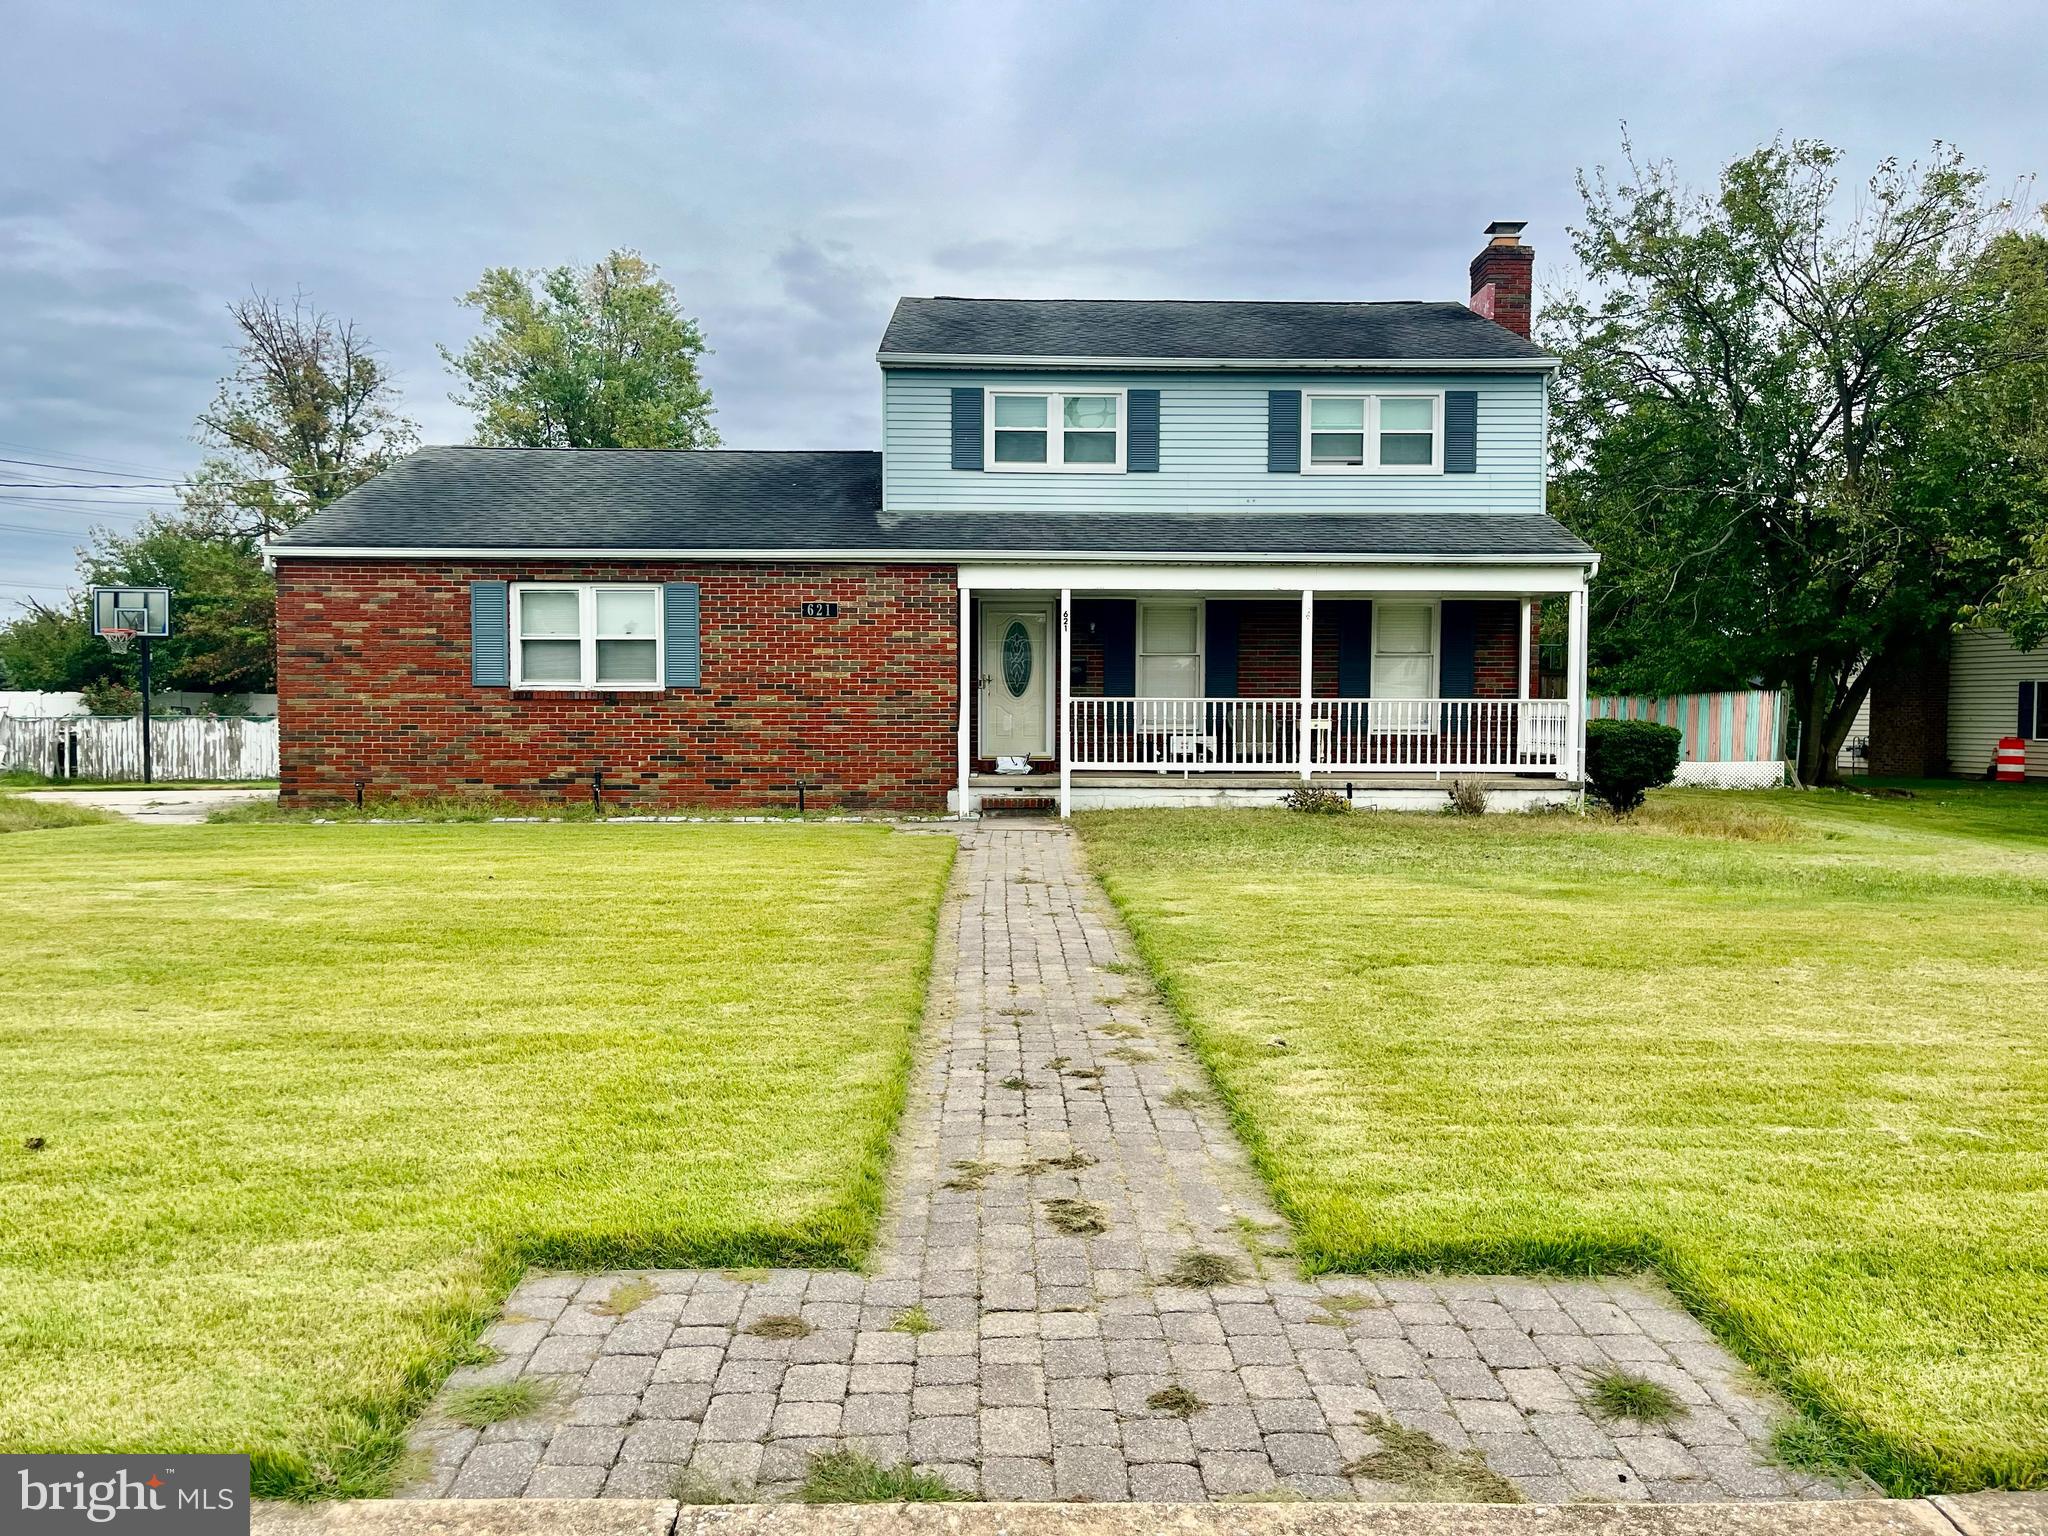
<point>793,167</point>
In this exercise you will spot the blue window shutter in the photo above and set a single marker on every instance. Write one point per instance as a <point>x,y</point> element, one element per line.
<point>2030,710</point>
<point>967,429</point>
<point>1119,621</point>
<point>1461,431</point>
<point>1219,650</point>
<point>490,634</point>
<point>1354,648</point>
<point>1283,431</point>
<point>1460,639</point>
<point>1141,423</point>
<point>682,651</point>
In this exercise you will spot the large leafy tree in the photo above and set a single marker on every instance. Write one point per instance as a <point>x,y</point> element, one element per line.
<point>1747,413</point>
<point>596,357</point>
<point>307,415</point>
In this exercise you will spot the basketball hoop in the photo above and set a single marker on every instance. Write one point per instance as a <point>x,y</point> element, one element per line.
<point>118,640</point>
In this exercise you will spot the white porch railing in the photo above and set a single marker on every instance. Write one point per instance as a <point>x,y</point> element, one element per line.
<point>1345,735</point>
<point>1242,734</point>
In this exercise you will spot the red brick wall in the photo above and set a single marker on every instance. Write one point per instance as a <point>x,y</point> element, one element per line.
<point>1269,652</point>
<point>373,686</point>
<point>1497,651</point>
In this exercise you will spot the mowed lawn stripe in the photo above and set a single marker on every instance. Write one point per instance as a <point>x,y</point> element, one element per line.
<point>1802,1070</point>
<point>311,1096</point>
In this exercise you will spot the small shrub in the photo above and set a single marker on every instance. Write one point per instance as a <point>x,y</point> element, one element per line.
<point>1468,798</point>
<point>779,1326</point>
<point>478,1407</point>
<point>112,697</point>
<point>1616,1394</point>
<point>847,1477</point>
<point>1626,759</point>
<point>1177,1401</point>
<point>1314,801</point>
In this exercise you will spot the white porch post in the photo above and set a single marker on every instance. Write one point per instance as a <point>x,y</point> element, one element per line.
<point>1575,711</point>
<point>1308,679</point>
<point>1066,739</point>
<point>966,692</point>
<point>1525,649</point>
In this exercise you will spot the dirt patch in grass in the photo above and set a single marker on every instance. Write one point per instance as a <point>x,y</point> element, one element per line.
<point>1427,1467</point>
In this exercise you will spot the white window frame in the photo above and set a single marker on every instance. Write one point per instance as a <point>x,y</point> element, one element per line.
<point>587,636</point>
<point>1436,642</point>
<point>1055,433</point>
<point>1372,398</point>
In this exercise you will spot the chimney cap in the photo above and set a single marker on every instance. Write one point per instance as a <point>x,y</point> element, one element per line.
<point>1506,231</point>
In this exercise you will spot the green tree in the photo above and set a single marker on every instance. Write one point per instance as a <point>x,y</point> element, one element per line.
<point>307,415</point>
<point>1744,420</point>
<point>52,649</point>
<point>601,357</point>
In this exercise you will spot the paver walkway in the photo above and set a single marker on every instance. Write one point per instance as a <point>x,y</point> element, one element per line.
<point>1022,1333</point>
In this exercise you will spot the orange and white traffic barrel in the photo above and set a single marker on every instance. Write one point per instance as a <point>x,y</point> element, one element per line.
<point>2010,765</point>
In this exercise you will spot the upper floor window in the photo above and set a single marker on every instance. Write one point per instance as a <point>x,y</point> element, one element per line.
<point>1080,431</point>
<point>1366,434</point>
<point>583,636</point>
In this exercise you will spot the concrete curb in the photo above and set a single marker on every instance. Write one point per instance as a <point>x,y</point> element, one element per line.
<point>1979,1514</point>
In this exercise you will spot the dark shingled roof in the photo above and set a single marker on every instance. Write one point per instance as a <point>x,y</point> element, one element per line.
<point>830,503</point>
<point>1168,329</point>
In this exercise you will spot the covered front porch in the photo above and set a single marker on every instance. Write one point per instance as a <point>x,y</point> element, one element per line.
<point>1123,685</point>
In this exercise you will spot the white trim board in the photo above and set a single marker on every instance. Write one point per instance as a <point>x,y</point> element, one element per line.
<point>1578,564</point>
<point>1242,364</point>
<point>1431,579</point>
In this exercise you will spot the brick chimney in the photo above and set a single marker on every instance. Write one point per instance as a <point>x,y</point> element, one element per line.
<point>1502,276</point>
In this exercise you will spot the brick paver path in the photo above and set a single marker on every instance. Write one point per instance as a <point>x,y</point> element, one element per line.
<point>1044,1358</point>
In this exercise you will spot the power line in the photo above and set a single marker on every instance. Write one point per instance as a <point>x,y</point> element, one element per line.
<point>69,533</point>
<point>92,461</point>
<point>73,468</point>
<point>89,485</point>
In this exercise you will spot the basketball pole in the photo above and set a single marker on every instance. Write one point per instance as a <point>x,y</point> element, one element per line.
<point>146,762</point>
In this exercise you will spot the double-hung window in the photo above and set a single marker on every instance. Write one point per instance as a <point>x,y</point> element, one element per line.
<point>1394,434</point>
<point>1080,431</point>
<point>586,636</point>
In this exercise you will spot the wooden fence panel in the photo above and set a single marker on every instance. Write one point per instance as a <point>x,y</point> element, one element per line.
<point>1730,740</point>
<point>97,747</point>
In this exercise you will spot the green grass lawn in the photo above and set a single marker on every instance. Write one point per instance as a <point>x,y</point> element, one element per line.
<point>309,1097</point>
<point>1789,1049</point>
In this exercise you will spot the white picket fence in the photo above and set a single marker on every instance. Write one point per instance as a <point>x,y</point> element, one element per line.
<point>98,747</point>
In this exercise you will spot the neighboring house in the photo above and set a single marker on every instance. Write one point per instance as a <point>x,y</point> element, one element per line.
<point>1112,552</point>
<point>1946,714</point>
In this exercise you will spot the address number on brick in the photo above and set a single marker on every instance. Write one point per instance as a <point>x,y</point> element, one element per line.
<point>821,610</point>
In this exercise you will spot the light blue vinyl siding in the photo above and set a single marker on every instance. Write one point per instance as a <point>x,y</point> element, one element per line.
<point>1212,449</point>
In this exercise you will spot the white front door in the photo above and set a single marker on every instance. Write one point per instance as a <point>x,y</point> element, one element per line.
<point>1015,677</point>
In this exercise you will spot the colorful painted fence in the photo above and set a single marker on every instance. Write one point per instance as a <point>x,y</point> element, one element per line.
<point>1730,740</point>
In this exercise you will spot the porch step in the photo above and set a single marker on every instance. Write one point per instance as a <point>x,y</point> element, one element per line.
<point>1020,805</point>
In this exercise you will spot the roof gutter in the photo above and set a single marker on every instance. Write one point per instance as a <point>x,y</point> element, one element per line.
<point>1541,364</point>
<point>1588,558</point>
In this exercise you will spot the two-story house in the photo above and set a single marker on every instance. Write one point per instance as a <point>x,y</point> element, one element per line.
<point>1111,553</point>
